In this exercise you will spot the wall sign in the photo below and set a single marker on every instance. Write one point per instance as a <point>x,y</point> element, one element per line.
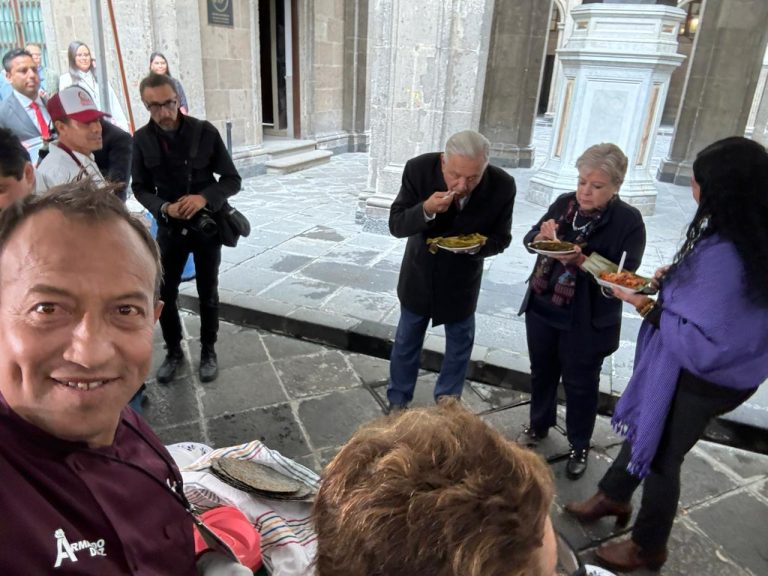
<point>220,13</point>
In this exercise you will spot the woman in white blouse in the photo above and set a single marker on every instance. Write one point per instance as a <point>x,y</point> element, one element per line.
<point>82,72</point>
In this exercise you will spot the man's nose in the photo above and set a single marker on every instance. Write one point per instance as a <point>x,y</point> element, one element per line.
<point>91,344</point>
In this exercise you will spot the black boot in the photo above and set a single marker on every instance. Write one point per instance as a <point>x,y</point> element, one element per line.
<point>577,463</point>
<point>209,366</point>
<point>167,370</point>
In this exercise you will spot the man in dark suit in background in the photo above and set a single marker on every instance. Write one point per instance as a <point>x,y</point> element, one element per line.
<point>445,194</point>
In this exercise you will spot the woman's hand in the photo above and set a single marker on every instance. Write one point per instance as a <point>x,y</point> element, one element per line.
<point>657,276</point>
<point>630,297</point>
<point>576,258</point>
<point>548,231</point>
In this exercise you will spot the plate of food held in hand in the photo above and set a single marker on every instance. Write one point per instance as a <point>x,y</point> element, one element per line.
<point>607,275</point>
<point>462,244</point>
<point>553,247</point>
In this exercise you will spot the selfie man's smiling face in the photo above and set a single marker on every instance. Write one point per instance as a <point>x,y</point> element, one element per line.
<point>77,312</point>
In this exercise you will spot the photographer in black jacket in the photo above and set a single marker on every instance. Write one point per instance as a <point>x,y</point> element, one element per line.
<point>175,158</point>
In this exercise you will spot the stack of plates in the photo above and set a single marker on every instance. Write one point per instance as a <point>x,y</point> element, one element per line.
<point>259,479</point>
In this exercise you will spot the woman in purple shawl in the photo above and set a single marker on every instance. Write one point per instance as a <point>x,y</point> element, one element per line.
<point>701,352</point>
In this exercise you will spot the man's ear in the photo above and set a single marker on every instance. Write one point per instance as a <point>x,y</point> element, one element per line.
<point>158,308</point>
<point>29,176</point>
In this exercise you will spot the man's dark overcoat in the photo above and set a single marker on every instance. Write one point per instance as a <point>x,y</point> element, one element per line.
<point>445,286</point>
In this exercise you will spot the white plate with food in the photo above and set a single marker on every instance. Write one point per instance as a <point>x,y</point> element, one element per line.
<point>623,281</point>
<point>553,247</point>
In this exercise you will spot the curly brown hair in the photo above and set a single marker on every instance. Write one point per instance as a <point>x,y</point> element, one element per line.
<point>433,492</point>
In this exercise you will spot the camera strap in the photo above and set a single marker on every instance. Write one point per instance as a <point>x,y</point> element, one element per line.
<point>197,130</point>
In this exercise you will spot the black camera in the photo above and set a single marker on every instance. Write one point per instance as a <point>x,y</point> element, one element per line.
<point>204,223</point>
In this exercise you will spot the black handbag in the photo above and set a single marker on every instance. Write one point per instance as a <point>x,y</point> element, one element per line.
<point>232,224</point>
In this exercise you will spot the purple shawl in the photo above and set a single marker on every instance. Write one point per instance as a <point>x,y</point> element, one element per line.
<point>709,327</point>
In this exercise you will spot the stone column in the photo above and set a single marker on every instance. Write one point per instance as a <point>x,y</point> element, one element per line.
<point>518,45</point>
<point>428,63</point>
<point>723,72</point>
<point>759,104</point>
<point>616,70</point>
<point>176,33</point>
<point>760,130</point>
<point>355,117</point>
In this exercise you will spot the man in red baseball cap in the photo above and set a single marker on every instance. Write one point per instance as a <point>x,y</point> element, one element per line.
<point>70,158</point>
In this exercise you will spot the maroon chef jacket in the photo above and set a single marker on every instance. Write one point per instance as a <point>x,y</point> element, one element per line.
<point>69,509</point>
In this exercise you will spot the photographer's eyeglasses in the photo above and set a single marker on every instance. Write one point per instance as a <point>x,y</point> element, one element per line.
<point>157,106</point>
<point>568,561</point>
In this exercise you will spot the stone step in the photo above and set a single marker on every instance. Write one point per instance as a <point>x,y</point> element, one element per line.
<point>276,149</point>
<point>297,162</point>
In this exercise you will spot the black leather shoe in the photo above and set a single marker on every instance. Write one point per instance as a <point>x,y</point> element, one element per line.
<point>530,438</point>
<point>169,366</point>
<point>577,463</point>
<point>209,365</point>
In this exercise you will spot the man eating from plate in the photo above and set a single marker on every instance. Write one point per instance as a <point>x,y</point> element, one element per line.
<point>448,194</point>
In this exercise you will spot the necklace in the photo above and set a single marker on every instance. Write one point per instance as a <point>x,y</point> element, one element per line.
<point>579,228</point>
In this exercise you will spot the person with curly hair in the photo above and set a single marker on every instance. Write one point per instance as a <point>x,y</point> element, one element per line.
<point>438,492</point>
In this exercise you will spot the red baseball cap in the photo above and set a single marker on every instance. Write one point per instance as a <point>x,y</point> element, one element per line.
<point>73,102</point>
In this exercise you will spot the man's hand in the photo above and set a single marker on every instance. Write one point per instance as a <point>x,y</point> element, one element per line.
<point>188,206</point>
<point>438,203</point>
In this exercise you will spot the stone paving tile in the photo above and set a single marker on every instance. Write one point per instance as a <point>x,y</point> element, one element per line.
<point>280,347</point>
<point>354,276</point>
<point>746,511</point>
<point>276,426</point>
<point>240,387</point>
<point>330,420</point>
<point>370,370</point>
<point>242,278</point>
<point>171,404</point>
<point>747,465</point>
<point>312,375</point>
<point>240,348</point>
<point>301,291</point>
<point>691,553</point>
<point>180,432</point>
<point>361,304</point>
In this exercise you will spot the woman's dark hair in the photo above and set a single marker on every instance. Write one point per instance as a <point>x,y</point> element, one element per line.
<point>74,71</point>
<point>161,55</point>
<point>733,177</point>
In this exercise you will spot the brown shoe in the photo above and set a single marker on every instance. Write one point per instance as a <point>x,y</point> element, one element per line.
<point>598,507</point>
<point>627,556</point>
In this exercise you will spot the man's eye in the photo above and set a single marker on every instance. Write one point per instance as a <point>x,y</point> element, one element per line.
<point>128,310</point>
<point>45,308</point>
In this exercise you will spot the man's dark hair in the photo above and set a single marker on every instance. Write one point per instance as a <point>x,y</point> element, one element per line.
<point>155,81</point>
<point>13,155</point>
<point>84,200</point>
<point>11,54</point>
